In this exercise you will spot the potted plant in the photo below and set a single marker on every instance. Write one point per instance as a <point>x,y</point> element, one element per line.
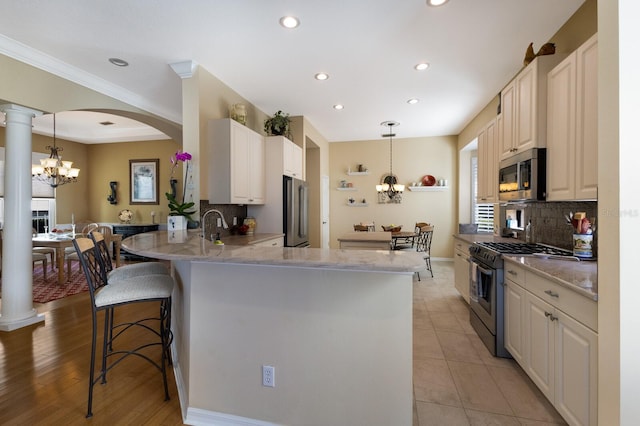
<point>278,125</point>
<point>180,212</point>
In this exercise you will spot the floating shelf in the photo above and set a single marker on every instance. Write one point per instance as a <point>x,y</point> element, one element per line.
<point>346,189</point>
<point>357,173</point>
<point>427,188</point>
<point>357,204</point>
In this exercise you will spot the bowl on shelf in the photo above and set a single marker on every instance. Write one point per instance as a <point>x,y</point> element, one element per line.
<point>428,180</point>
<point>392,228</point>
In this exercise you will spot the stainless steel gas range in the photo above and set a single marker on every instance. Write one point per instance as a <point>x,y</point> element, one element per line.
<point>487,287</point>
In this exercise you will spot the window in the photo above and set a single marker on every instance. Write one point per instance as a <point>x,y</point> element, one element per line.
<point>482,212</point>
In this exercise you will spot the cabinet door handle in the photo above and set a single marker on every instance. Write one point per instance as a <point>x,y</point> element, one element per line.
<point>550,316</point>
<point>512,272</point>
<point>552,293</point>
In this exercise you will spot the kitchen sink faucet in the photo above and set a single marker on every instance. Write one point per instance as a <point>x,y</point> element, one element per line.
<point>204,216</point>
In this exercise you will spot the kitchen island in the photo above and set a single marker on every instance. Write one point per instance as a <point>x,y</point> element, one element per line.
<point>336,325</point>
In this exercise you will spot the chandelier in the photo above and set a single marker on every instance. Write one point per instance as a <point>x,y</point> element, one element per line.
<point>390,191</point>
<point>53,171</point>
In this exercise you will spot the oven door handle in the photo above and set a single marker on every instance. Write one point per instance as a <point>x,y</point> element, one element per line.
<point>488,272</point>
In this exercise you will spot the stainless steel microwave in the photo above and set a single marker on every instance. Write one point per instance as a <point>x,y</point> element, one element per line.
<point>523,177</point>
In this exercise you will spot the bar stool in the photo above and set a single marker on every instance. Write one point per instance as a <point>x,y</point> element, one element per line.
<point>107,296</point>
<point>124,271</point>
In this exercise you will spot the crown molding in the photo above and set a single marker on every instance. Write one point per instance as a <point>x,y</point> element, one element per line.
<point>184,69</point>
<point>40,60</point>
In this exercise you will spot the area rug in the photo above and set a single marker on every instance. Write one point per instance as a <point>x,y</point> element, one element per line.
<point>46,291</point>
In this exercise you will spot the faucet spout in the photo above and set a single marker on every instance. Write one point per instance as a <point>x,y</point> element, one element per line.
<point>204,216</point>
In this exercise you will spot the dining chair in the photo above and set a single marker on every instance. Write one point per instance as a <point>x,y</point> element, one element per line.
<point>106,297</point>
<point>423,245</point>
<point>47,251</point>
<point>70,254</point>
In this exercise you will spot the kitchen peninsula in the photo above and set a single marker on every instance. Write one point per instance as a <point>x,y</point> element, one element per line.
<point>336,325</point>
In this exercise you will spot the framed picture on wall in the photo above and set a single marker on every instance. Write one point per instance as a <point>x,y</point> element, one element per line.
<point>144,181</point>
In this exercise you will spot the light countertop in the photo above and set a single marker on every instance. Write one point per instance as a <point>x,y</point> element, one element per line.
<point>366,236</point>
<point>188,246</point>
<point>579,276</point>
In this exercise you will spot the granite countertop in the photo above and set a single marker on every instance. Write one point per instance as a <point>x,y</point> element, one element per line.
<point>579,276</point>
<point>244,240</point>
<point>188,246</point>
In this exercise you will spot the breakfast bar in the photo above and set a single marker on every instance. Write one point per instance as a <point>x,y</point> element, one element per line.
<point>335,325</point>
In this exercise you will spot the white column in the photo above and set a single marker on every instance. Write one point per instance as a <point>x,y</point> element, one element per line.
<point>17,277</point>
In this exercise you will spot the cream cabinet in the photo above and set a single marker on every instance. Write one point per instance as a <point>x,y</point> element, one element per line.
<point>524,108</point>
<point>274,242</point>
<point>461,268</point>
<point>488,163</point>
<point>551,332</point>
<point>284,157</point>
<point>292,160</point>
<point>236,164</point>
<point>572,126</point>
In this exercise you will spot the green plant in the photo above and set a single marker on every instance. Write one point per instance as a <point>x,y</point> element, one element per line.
<point>278,125</point>
<point>179,209</point>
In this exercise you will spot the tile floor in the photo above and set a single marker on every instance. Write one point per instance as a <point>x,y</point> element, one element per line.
<point>456,381</point>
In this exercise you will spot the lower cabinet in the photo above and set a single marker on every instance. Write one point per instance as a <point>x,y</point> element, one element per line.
<point>461,268</point>
<point>558,352</point>
<point>275,242</point>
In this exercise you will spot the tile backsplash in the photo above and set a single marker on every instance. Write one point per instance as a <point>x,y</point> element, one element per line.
<point>548,222</point>
<point>229,211</point>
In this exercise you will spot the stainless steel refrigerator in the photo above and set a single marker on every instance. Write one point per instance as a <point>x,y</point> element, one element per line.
<point>295,214</point>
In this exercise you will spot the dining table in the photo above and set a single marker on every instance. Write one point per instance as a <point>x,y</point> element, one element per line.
<point>60,241</point>
<point>402,239</point>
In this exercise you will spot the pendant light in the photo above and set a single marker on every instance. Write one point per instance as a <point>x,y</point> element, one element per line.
<point>53,170</point>
<point>390,191</point>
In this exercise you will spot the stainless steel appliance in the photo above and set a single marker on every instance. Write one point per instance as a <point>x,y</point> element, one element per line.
<point>486,288</point>
<point>295,214</point>
<point>524,176</point>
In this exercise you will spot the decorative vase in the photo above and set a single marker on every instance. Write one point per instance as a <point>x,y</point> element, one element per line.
<point>176,223</point>
<point>251,223</point>
<point>238,112</point>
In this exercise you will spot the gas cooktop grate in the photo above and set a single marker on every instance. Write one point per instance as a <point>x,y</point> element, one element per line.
<point>525,249</point>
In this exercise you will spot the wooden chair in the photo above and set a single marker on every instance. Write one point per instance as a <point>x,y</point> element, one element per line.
<point>106,296</point>
<point>70,254</point>
<point>47,251</point>
<point>423,245</point>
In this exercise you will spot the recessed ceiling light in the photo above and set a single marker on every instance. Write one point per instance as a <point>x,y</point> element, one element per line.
<point>338,107</point>
<point>322,76</point>
<point>413,101</point>
<point>119,62</point>
<point>422,66</point>
<point>436,2</point>
<point>289,22</point>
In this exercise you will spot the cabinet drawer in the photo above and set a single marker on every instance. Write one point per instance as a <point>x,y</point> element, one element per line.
<point>584,310</point>
<point>514,273</point>
<point>462,246</point>
<point>276,242</point>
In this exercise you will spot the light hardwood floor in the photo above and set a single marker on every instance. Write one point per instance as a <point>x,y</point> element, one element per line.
<point>43,371</point>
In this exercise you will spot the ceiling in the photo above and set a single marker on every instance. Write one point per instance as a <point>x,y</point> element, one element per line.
<point>368,48</point>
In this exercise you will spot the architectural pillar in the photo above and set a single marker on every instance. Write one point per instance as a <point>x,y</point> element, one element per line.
<point>17,277</point>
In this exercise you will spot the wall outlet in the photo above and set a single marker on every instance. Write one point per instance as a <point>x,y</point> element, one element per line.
<point>219,222</point>
<point>235,220</point>
<point>268,376</point>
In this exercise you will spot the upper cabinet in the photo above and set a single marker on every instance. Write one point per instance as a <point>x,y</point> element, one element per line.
<point>285,155</point>
<point>237,161</point>
<point>524,108</point>
<point>572,126</point>
<point>487,163</point>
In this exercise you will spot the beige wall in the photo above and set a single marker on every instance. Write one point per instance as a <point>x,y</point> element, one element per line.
<point>412,159</point>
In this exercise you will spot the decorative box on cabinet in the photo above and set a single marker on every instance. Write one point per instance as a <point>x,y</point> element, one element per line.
<point>127,230</point>
<point>524,108</point>
<point>236,163</point>
<point>551,332</point>
<point>572,126</point>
